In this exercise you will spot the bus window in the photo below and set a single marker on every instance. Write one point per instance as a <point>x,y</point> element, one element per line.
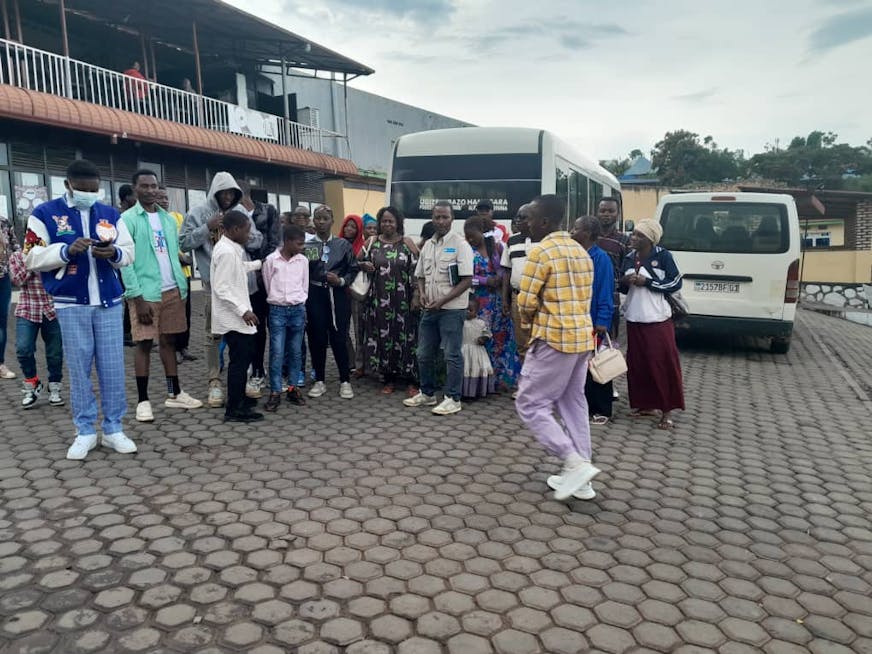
<point>578,202</point>
<point>596,193</point>
<point>561,186</point>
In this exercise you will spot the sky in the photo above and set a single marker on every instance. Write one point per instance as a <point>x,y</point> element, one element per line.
<point>610,77</point>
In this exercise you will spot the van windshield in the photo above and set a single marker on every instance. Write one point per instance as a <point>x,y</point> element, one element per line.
<point>728,227</point>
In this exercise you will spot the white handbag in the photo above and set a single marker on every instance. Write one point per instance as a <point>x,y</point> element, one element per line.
<point>607,364</point>
<point>359,288</point>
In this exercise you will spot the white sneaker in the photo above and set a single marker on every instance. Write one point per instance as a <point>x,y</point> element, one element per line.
<point>576,474</point>
<point>5,373</point>
<point>31,394</point>
<point>143,412</point>
<point>182,401</point>
<point>318,389</point>
<point>54,397</point>
<point>420,400</point>
<point>447,407</point>
<point>586,492</point>
<point>254,387</point>
<point>119,442</point>
<point>81,446</point>
<point>345,391</point>
<point>216,396</point>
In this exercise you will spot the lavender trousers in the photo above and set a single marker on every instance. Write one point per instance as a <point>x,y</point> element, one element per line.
<point>551,380</point>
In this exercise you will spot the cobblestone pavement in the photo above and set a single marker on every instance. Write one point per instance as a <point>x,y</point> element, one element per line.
<point>364,527</point>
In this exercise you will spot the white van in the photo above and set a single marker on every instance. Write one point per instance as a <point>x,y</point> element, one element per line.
<point>738,254</point>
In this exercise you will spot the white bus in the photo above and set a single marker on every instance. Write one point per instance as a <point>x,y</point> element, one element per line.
<point>507,165</point>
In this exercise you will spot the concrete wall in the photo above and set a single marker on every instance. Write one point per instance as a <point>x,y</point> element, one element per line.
<point>374,122</point>
<point>359,199</point>
<point>640,202</point>
<point>842,266</point>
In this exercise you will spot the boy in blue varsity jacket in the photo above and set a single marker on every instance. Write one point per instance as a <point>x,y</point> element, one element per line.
<point>78,244</point>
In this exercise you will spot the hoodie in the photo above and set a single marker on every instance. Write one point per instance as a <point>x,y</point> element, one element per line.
<point>357,243</point>
<point>195,236</point>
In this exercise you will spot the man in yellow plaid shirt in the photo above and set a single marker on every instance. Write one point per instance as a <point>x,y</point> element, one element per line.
<point>555,300</point>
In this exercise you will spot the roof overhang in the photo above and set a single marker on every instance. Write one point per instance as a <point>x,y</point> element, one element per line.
<point>42,108</point>
<point>809,202</point>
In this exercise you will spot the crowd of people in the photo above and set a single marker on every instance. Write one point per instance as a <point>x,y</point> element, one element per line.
<point>480,313</point>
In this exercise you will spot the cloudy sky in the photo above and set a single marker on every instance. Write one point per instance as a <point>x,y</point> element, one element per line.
<point>614,76</point>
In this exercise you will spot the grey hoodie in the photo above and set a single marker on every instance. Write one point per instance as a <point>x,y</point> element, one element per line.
<point>194,235</point>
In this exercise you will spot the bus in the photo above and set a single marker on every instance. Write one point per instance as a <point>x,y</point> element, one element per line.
<point>507,165</point>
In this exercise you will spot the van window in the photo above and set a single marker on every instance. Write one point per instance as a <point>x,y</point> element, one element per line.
<point>734,227</point>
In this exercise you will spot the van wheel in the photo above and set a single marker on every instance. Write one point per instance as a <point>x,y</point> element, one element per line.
<point>780,345</point>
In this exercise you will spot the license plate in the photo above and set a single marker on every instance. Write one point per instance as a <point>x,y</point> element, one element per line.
<point>716,287</point>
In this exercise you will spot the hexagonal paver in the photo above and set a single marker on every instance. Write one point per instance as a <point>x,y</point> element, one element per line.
<point>175,615</point>
<point>293,632</point>
<point>438,626</point>
<point>469,644</point>
<point>25,621</point>
<point>272,612</point>
<point>341,631</point>
<point>242,634</point>
<point>391,628</point>
<point>511,641</point>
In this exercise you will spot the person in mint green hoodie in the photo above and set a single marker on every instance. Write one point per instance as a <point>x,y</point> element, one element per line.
<point>155,290</point>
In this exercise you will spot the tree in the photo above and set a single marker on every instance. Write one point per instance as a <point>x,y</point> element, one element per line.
<point>679,159</point>
<point>618,167</point>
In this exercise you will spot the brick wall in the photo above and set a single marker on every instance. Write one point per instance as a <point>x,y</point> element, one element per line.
<point>863,233</point>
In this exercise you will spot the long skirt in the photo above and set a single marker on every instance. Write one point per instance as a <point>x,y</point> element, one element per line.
<point>653,368</point>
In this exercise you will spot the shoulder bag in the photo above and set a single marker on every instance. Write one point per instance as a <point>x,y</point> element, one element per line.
<point>359,288</point>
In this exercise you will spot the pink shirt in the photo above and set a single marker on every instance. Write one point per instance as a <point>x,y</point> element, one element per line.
<point>286,280</point>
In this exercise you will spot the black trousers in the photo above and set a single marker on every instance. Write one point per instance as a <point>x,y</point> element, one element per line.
<point>599,397</point>
<point>319,328</point>
<point>261,309</point>
<point>241,348</point>
<point>183,339</point>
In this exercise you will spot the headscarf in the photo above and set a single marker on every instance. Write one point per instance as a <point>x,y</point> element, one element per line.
<point>368,220</point>
<point>357,243</point>
<point>650,229</point>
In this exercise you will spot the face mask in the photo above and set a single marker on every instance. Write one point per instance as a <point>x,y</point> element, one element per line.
<point>84,199</point>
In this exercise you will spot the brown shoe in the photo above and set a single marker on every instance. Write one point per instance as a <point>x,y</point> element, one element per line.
<point>273,403</point>
<point>294,396</point>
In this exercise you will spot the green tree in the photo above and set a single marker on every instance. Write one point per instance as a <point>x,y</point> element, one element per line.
<point>679,159</point>
<point>814,160</point>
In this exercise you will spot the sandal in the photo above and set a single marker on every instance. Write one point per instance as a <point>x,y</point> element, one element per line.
<point>599,420</point>
<point>665,424</point>
<point>643,413</point>
<point>388,389</point>
<point>412,390</point>
<point>358,373</point>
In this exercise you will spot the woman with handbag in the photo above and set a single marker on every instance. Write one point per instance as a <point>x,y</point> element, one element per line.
<point>602,305</point>
<point>649,275</point>
<point>387,313</point>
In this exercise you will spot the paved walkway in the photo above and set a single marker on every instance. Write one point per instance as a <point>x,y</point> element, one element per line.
<point>364,527</point>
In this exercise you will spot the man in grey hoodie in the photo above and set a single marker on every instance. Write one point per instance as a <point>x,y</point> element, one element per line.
<point>200,231</point>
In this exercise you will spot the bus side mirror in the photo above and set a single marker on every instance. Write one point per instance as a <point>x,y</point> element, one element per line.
<point>629,225</point>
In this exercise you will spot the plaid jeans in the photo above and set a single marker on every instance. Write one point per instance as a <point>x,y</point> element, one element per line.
<point>95,334</point>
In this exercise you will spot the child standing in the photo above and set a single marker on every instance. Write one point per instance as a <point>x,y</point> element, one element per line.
<point>232,316</point>
<point>478,372</point>
<point>35,313</point>
<point>286,278</point>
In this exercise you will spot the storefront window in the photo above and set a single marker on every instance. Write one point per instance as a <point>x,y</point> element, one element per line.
<point>29,192</point>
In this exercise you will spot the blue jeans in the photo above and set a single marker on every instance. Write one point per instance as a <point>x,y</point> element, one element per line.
<point>25,347</point>
<point>443,328</point>
<point>94,336</point>
<point>286,328</point>
<point>5,302</point>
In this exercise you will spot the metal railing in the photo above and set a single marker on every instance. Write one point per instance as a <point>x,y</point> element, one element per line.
<point>46,72</point>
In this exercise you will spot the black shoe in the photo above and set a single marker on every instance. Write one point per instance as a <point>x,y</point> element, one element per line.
<point>128,341</point>
<point>294,396</point>
<point>249,403</point>
<point>243,416</point>
<point>187,356</point>
<point>273,403</point>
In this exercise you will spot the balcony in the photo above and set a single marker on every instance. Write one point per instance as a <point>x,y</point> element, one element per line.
<point>45,72</point>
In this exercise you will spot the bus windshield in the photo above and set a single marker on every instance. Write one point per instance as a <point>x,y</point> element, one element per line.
<point>464,180</point>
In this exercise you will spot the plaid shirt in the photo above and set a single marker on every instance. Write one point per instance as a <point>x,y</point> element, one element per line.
<point>33,302</point>
<point>555,294</point>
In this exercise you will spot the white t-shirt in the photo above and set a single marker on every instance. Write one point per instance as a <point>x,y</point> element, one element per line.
<point>645,305</point>
<point>168,280</point>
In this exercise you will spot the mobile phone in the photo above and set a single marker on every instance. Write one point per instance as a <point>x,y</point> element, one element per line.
<point>101,244</point>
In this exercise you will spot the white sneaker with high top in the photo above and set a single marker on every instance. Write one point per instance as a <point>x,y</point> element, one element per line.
<point>32,391</point>
<point>5,373</point>
<point>182,401</point>
<point>81,446</point>
<point>254,387</point>
<point>318,389</point>
<point>119,442</point>
<point>216,395</point>
<point>576,473</point>
<point>447,407</point>
<point>54,397</point>
<point>345,391</point>
<point>143,412</point>
<point>586,492</point>
<point>420,400</point>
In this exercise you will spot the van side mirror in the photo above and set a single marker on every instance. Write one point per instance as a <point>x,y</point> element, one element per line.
<point>629,225</point>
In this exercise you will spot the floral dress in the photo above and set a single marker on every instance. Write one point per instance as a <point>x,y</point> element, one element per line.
<point>392,332</point>
<point>502,347</point>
